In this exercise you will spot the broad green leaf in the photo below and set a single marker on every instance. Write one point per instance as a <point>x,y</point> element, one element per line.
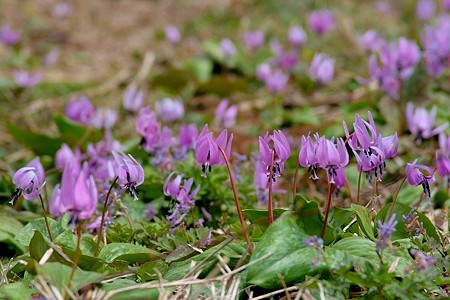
<point>9,227</point>
<point>72,133</point>
<point>363,217</point>
<point>147,271</point>
<point>135,294</point>
<point>40,144</point>
<point>26,233</point>
<point>128,252</point>
<point>290,258</point>
<point>201,67</point>
<point>223,86</point>
<point>59,275</point>
<point>259,216</point>
<point>15,291</point>
<point>401,210</point>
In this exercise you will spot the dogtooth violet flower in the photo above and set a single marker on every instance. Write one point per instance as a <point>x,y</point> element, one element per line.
<point>27,79</point>
<point>307,156</point>
<point>133,99</point>
<point>8,36</point>
<point>76,195</point>
<point>253,39</point>
<point>226,114</point>
<point>415,176</point>
<point>129,172</point>
<point>169,109</point>
<point>321,21</point>
<point>172,34</point>
<point>297,36</point>
<point>227,48</point>
<point>322,68</point>
<point>207,150</point>
<point>332,157</point>
<point>365,133</point>
<point>281,149</point>
<point>425,9</point>
<point>436,44</point>
<point>80,110</point>
<point>443,156</point>
<point>421,123</point>
<point>262,184</point>
<point>180,192</point>
<point>29,181</point>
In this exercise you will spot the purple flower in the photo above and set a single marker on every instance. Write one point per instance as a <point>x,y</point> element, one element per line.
<point>29,181</point>
<point>227,48</point>
<point>371,162</point>
<point>188,136</point>
<point>276,81</point>
<point>436,41</point>
<point>389,145</point>
<point>207,149</point>
<point>385,231</point>
<point>55,202</point>
<point>406,55</point>
<point>321,21</point>
<point>443,156</point>
<point>172,187</point>
<point>169,109</point>
<point>281,150</point>
<point>8,36</point>
<point>225,114</point>
<point>421,124</point>
<point>425,9</point>
<point>61,10</point>
<point>253,39</point>
<point>446,5</point>
<point>133,99</point>
<point>104,118</point>
<point>65,155</point>
<point>129,172</point>
<point>297,36</point>
<point>332,156</point>
<point>150,212</point>
<point>80,110</point>
<point>322,68</point>
<point>371,41</point>
<point>263,71</point>
<point>78,195</point>
<point>51,57</point>
<point>172,34</point>
<point>416,177</point>
<point>307,156</point>
<point>365,133</point>
<point>27,79</point>
<point>287,60</point>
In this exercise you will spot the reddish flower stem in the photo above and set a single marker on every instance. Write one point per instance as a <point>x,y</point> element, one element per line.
<point>325,222</point>
<point>236,200</point>
<point>270,201</point>
<point>105,205</point>
<point>45,218</point>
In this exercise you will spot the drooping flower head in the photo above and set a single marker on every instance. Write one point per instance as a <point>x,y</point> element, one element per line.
<point>421,123</point>
<point>307,156</point>
<point>172,34</point>
<point>27,79</point>
<point>262,184</point>
<point>169,109</point>
<point>29,181</point>
<point>321,21</point>
<point>332,156</point>
<point>65,155</point>
<point>253,39</point>
<point>371,41</point>
<point>436,44</point>
<point>133,99</point>
<point>129,172</point>
<point>226,114</point>
<point>8,36</point>
<point>322,68</point>
<point>280,149</point>
<point>443,156</point>
<point>104,118</point>
<point>80,110</point>
<point>416,177</point>
<point>365,133</point>
<point>227,48</point>
<point>425,9</point>
<point>297,36</point>
<point>207,151</point>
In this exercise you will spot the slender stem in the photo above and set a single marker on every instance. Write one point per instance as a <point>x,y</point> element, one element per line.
<point>324,228</point>
<point>294,186</point>
<point>105,205</point>
<point>45,218</point>
<point>349,191</point>
<point>395,198</point>
<point>270,202</point>
<point>359,187</point>
<point>236,200</point>
<point>77,253</point>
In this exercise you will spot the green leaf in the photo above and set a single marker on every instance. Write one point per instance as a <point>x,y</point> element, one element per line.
<point>25,235</point>
<point>59,275</point>
<point>40,144</point>
<point>72,133</point>
<point>128,252</point>
<point>289,256</point>
<point>259,216</point>
<point>135,294</point>
<point>400,232</point>
<point>15,291</point>
<point>223,86</point>
<point>147,271</point>
<point>363,217</point>
<point>9,227</point>
<point>201,67</point>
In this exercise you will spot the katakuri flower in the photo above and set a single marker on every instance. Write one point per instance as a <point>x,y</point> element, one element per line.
<point>29,181</point>
<point>281,151</point>
<point>425,9</point>
<point>262,184</point>
<point>227,48</point>
<point>80,110</point>
<point>332,157</point>
<point>169,109</point>
<point>415,176</point>
<point>322,68</point>
<point>133,99</point>
<point>172,34</point>
<point>207,151</point>
<point>129,172</point>
<point>364,135</point>
<point>436,44</point>
<point>443,156</point>
<point>307,156</point>
<point>226,114</point>
<point>104,118</point>
<point>371,41</point>
<point>27,79</point>
<point>297,36</point>
<point>253,39</point>
<point>8,36</point>
<point>421,123</point>
<point>321,21</point>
